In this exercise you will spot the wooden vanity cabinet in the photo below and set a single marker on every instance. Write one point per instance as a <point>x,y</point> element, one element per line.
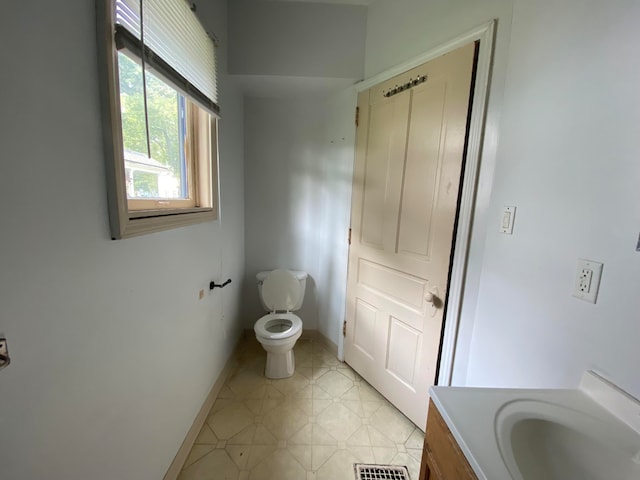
<point>442,458</point>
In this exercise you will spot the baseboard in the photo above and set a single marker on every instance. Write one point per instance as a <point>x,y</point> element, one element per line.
<point>320,338</point>
<point>192,434</point>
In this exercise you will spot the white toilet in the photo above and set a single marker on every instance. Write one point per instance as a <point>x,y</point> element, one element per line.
<point>281,291</point>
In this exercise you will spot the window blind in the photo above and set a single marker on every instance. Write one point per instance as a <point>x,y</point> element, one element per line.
<point>175,44</point>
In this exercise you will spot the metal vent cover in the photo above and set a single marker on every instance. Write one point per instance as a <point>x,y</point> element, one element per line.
<point>380,472</point>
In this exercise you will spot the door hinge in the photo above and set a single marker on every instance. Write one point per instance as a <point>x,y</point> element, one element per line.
<point>344,328</point>
<point>349,237</point>
<point>357,116</point>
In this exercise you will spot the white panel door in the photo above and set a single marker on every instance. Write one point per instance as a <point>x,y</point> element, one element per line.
<point>409,157</point>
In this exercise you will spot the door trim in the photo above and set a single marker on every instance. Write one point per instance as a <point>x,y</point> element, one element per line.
<point>485,35</point>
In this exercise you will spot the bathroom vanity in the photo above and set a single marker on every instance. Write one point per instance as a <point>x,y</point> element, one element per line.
<point>441,456</point>
<point>592,432</point>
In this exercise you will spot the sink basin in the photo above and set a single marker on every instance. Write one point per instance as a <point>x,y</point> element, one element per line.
<point>542,440</point>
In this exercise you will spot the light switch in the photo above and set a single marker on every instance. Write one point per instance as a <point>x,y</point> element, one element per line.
<point>506,219</point>
<point>508,215</point>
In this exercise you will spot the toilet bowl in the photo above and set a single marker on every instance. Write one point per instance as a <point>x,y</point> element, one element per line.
<point>280,292</point>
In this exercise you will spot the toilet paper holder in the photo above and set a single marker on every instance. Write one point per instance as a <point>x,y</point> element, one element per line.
<point>5,360</point>
<point>213,285</point>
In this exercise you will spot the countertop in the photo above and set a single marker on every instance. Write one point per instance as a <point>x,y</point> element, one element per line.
<point>470,413</point>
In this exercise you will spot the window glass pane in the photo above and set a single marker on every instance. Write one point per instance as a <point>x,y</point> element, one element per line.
<point>145,184</point>
<point>160,173</point>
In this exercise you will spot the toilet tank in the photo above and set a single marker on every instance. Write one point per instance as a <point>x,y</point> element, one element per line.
<point>300,275</point>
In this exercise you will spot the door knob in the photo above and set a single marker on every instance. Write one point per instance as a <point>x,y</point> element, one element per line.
<point>432,296</point>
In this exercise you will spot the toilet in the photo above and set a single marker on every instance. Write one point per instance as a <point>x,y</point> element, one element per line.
<point>281,292</point>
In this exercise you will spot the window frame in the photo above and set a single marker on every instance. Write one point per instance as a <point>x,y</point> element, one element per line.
<point>202,148</point>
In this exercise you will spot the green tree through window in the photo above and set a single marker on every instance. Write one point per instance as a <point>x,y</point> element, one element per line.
<point>164,112</point>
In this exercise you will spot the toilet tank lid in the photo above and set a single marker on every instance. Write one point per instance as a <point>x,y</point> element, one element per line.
<point>299,274</point>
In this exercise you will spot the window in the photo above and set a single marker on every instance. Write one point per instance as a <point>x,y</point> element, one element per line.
<point>158,74</point>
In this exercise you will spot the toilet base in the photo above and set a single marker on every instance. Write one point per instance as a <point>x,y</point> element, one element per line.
<point>280,365</point>
<point>280,359</point>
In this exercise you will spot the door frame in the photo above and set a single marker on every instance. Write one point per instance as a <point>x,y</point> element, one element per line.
<point>485,36</point>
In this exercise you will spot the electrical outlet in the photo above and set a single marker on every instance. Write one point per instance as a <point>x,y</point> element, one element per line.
<point>584,280</point>
<point>587,280</point>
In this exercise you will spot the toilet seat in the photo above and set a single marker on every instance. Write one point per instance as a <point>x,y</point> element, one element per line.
<point>262,325</point>
<point>280,290</point>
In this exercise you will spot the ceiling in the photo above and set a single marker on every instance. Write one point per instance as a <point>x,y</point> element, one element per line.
<point>343,2</point>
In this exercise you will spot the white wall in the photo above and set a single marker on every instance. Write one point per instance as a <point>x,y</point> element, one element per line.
<point>296,39</point>
<point>568,158</point>
<point>297,186</point>
<point>113,353</point>
<point>400,30</point>
<point>565,84</point>
<point>334,211</point>
<point>282,143</point>
<point>291,59</point>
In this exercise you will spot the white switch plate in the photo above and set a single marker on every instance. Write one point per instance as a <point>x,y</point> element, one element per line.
<point>587,280</point>
<point>506,219</point>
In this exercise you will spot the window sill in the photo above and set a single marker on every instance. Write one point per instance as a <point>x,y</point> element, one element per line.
<point>164,220</point>
<point>163,212</point>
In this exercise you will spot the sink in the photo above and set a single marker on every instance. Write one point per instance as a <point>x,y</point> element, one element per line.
<point>543,440</point>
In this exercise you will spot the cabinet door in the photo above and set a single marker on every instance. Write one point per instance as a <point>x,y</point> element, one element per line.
<point>428,470</point>
<point>441,456</point>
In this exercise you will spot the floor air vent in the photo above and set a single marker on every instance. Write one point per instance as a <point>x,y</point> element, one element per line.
<point>380,472</point>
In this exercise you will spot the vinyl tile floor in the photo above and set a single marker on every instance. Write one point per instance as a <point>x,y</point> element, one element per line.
<point>312,426</point>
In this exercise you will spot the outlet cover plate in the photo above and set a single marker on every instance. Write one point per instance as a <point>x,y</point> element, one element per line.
<point>587,281</point>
